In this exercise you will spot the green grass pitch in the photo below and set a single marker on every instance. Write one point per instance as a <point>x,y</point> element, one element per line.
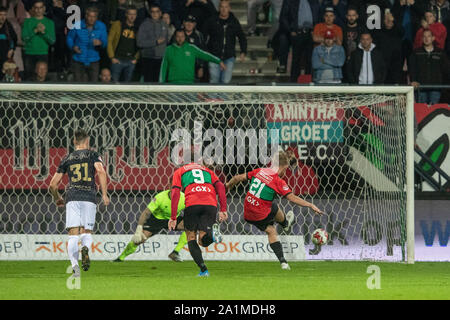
<point>228,280</point>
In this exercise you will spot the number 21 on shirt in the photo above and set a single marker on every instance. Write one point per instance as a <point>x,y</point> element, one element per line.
<point>256,187</point>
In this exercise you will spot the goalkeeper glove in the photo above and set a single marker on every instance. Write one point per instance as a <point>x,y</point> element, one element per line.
<point>139,235</point>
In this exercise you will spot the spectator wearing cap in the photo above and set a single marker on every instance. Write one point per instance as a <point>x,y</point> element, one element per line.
<point>438,29</point>
<point>194,37</point>
<point>321,28</point>
<point>152,38</point>
<point>297,19</point>
<point>221,31</point>
<point>366,64</point>
<point>122,46</point>
<point>327,60</point>
<point>339,7</point>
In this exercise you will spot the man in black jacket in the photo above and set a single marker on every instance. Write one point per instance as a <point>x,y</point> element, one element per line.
<point>221,32</point>
<point>366,64</point>
<point>8,39</point>
<point>389,40</point>
<point>297,19</point>
<point>428,65</point>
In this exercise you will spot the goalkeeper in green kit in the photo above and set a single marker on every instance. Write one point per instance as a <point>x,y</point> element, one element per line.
<point>153,219</point>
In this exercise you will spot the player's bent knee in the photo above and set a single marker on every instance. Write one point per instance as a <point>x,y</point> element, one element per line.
<point>205,239</point>
<point>270,230</point>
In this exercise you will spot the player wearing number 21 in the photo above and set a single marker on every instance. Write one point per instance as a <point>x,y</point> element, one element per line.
<point>259,208</point>
<point>80,202</point>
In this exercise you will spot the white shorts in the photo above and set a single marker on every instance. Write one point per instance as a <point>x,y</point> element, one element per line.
<point>80,214</point>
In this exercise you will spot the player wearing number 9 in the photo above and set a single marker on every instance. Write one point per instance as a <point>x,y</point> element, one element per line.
<point>81,196</point>
<point>259,208</point>
<point>201,187</point>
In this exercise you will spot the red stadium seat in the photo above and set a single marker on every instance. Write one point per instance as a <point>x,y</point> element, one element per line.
<point>304,78</point>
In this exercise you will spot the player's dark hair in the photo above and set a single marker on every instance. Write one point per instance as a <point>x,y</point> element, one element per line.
<point>3,9</point>
<point>80,135</point>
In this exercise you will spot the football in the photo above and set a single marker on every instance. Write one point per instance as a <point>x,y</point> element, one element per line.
<point>320,237</point>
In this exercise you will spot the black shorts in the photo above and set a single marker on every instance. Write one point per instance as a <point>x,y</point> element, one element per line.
<point>155,225</point>
<point>267,221</point>
<point>199,217</point>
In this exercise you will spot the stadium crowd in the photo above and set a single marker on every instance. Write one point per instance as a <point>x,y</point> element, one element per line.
<point>335,41</point>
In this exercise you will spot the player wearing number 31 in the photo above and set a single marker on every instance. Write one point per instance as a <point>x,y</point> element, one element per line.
<point>81,193</point>
<point>201,187</point>
<point>259,208</point>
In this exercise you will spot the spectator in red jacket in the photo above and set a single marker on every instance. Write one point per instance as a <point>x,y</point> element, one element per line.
<point>438,29</point>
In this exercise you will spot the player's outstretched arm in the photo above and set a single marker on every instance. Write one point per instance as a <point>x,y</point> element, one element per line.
<point>144,216</point>
<point>139,235</point>
<point>298,201</point>
<point>235,180</point>
<point>103,181</point>
<point>54,183</point>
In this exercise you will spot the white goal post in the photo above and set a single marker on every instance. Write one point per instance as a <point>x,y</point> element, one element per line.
<point>331,147</point>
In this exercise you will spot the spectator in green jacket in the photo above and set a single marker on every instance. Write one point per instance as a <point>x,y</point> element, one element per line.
<point>178,65</point>
<point>38,34</point>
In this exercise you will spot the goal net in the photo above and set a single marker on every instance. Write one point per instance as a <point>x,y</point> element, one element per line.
<point>351,146</point>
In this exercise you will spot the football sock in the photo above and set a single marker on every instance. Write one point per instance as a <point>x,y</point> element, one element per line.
<point>196,254</point>
<point>130,248</point>
<point>72,250</point>
<point>278,250</point>
<point>86,240</point>
<point>181,242</point>
<point>284,223</point>
<point>207,240</point>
